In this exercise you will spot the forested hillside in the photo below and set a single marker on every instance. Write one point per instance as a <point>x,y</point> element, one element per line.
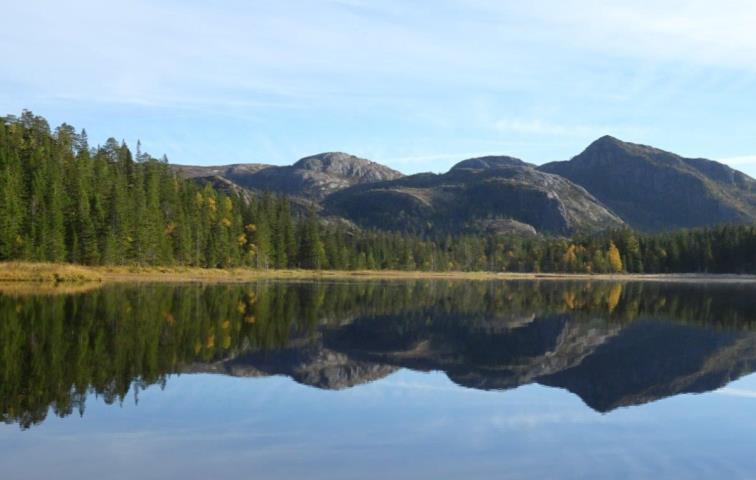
<point>62,200</point>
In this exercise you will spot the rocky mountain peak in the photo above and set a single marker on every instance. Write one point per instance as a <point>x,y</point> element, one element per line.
<point>652,189</point>
<point>607,140</point>
<point>610,183</point>
<point>490,162</point>
<point>609,148</point>
<point>345,165</point>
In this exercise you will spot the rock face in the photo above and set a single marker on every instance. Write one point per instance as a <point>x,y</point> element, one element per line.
<point>485,163</point>
<point>312,177</point>
<point>317,176</point>
<point>611,183</point>
<point>498,192</point>
<point>655,190</point>
<point>230,172</point>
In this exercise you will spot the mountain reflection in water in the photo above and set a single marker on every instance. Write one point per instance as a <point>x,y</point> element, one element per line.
<point>612,344</point>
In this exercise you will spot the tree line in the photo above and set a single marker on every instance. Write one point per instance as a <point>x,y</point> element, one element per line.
<point>64,201</point>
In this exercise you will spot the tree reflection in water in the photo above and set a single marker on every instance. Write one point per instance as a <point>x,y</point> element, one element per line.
<point>613,344</point>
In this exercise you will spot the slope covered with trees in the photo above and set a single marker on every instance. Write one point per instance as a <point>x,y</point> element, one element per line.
<point>64,201</point>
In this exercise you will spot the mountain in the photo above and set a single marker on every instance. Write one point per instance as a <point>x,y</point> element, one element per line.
<point>655,190</point>
<point>312,177</point>
<point>610,184</point>
<point>500,194</point>
<point>230,172</point>
<point>483,163</point>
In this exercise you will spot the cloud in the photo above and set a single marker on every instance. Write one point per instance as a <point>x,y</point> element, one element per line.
<point>154,53</point>
<point>537,80</point>
<point>539,420</point>
<point>540,127</point>
<point>736,392</point>
<point>584,132</point>
<point>424,386</point>
<point>698,31</point>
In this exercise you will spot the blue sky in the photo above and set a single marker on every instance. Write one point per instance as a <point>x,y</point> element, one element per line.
<point>415,85</point>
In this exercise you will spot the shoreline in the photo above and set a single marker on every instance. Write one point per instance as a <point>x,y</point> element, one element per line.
<point>69,274</point>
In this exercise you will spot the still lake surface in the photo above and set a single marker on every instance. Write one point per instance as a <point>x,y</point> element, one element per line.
<point>399,379</point>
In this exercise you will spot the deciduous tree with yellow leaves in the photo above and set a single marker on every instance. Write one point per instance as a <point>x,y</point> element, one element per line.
<point>615,259</point>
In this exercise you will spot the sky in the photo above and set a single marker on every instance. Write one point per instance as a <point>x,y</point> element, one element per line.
<point>416,85</point>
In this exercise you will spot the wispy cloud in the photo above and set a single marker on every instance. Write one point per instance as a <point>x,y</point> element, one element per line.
<point>697,31</point>
<point>540,127</point>
<point>736,392</point>
<point>543,129</point>
<point>414,85</point>
<point>538,420</point>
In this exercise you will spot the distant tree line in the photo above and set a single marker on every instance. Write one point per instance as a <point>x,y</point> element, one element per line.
<point>64,201</point>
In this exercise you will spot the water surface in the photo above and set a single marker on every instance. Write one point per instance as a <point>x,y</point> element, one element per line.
<point>400,379</point>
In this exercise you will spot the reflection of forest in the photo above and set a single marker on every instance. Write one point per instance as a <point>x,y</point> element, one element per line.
<point>613,344</point>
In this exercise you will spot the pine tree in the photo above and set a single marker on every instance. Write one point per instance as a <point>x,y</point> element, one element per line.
<point>262,243</point>
<point>312,251</point>
<point>11,198</point>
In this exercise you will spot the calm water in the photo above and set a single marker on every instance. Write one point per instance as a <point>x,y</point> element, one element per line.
<point>380,380</point>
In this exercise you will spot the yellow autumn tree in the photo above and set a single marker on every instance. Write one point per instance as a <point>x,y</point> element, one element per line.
<point>570,258</point>
<point>615,261</point>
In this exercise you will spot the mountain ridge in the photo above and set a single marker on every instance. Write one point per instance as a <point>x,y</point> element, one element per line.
<point>652,189</point>
<point>611,183</point>
<point>314,176</point>
<point>462,198</point>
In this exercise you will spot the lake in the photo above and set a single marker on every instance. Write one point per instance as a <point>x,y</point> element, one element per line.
<point>380,379</point>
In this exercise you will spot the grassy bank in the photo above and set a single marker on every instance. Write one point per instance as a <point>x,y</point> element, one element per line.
<point>188,274</point>
<point>56,274</point>
<point>50,273</point>
<point>47,273</point>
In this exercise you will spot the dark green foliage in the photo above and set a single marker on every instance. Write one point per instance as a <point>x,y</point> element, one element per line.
<point>61,200</point>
